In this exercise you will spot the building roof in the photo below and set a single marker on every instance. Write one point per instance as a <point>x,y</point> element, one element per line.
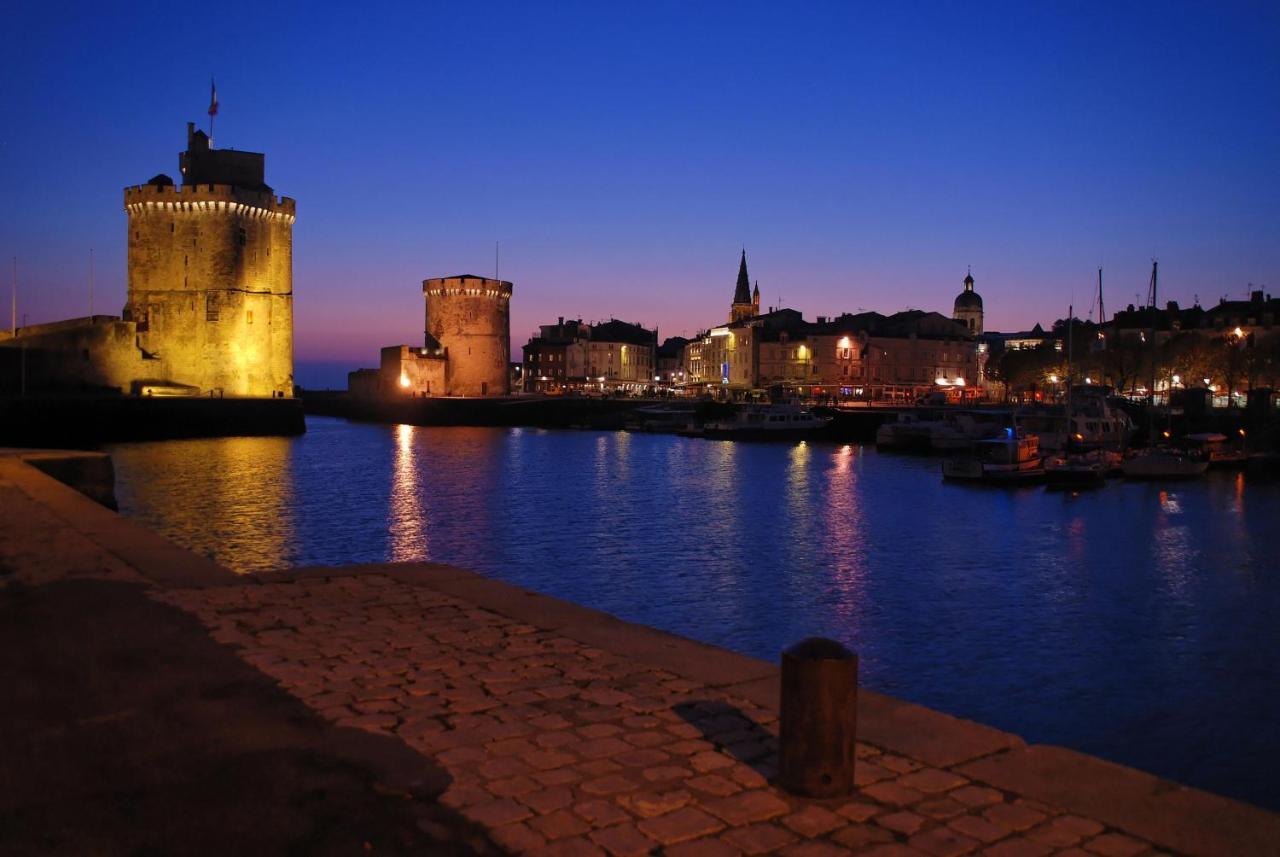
<point>621,331</point>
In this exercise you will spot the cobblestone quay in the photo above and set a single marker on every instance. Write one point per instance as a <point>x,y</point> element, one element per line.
<point>564,731</point>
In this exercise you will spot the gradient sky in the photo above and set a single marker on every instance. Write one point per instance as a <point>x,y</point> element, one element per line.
<point>624,153</point>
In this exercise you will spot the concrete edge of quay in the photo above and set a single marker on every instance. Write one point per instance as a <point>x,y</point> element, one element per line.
<point>1168,814</point>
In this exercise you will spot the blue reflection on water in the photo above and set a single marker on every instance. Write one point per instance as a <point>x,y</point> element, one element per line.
<point>1137,622</point>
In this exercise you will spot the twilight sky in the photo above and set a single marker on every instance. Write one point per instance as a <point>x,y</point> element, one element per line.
<point>623,153</point>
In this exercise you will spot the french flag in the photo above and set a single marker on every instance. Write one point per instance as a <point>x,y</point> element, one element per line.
<point>213,98</point>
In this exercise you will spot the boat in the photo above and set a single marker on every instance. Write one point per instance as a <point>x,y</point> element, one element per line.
<point>663,418</point>
<point>768,422</point>
<point>1013,459</point>
<point>1160,463</point>
<point>1073,472</point>
<point>909,432</point>
<point>1213,447</point>
<point>1091,422</point>
<point>959,432</point>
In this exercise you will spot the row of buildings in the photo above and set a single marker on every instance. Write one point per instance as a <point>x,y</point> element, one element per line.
<point>867,355</point>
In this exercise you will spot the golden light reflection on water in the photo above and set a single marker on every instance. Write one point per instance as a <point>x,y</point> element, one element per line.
<point>406,513</point>
<point>237,501</point>
<point>1172,550</point>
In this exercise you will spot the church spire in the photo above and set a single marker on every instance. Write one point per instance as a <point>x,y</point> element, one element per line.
<point>742,295</point>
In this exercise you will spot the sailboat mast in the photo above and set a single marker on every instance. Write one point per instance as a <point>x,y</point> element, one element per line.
<point>1102,311</point>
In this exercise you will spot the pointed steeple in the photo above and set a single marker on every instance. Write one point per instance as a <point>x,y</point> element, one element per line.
<point>968,280</point>
<point>755,293</point>
<point>742,295</point>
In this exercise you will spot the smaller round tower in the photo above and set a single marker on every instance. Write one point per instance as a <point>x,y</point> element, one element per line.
<point>469,317</point>
<point>968,307</point>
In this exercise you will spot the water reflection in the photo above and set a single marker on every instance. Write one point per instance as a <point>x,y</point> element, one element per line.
<point>222,497</point>
<point>406,511</point>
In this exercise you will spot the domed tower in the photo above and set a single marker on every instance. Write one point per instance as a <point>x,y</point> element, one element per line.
<point>210,268</point>
<point>469,317</point>
<point>968,308</point>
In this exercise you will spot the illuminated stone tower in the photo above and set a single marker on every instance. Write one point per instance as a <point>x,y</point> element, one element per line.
<point>469,318</point>
<point>968,307</point>
<point>211,275</point>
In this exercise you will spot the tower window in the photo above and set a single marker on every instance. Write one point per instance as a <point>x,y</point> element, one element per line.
<point>248,317</point>
<point>242,236</point>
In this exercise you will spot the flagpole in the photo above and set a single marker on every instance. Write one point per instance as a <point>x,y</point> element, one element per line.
<point>14,323</point>
<point>90,285</point>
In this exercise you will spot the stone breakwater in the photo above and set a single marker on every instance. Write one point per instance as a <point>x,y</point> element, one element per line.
<point>564,731</point>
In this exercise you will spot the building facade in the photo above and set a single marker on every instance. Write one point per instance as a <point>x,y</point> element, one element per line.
<point>610,357</point>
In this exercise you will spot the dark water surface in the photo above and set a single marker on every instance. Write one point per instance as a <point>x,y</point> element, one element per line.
<point>1140,622</point>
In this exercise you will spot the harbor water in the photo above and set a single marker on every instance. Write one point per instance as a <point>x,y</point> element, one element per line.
<point>1139,622</point>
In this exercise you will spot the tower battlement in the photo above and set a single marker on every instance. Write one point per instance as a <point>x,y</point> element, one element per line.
<point>195,198</point>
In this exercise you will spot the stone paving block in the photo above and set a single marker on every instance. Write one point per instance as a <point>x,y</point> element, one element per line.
<point>601,813</point>
<point>1017,847</point>
<point>598,768</point>
<point>814,848</point>
<point>649,804</point>
<point>974,796</point>
<point>609,784</point>
<point>1013,816</point>
<point>517,838</point>
<point>979,828</point>
<point>943,842</point>
<point>709,761</point>
<point>559,824</point>
<point>575,846</point>
<point>893,794</point>
<point>713,784</point>
<point>665,772</point>
<point>758,838</point>
<point>940,808</point>
<point>747,807</point>
<point>544,801</point>
<point>705,847</point>
<point>859,811</point>
<point>1116,845</point>
<point>931,780</point>
<point>683,824</point>
<point>859,836</point>
<point>813,821</point>
<point>623,840</point>
<point>497,812</point>
<point>902,821</point>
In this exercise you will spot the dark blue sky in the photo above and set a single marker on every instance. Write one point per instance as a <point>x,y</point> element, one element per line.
<point>624,153</point>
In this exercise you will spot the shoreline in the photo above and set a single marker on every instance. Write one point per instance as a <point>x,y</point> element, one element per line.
<point>259,615</point>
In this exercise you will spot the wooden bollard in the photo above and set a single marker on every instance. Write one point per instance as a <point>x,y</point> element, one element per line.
<point>819,725</point>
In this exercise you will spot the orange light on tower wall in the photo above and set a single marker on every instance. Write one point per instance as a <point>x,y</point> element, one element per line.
<point>404,380</point>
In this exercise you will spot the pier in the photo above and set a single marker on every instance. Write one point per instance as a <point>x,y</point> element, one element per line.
<point>418,706</point>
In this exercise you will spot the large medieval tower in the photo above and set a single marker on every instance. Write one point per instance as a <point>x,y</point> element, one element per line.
<point>211,275</point>
<point>469,318</point>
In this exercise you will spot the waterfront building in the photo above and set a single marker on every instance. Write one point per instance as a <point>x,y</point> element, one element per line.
<point>670,362</point>
<point>466,345</point>
<point>867,355</point>
<point>610,357</point>
<point>209,308</point>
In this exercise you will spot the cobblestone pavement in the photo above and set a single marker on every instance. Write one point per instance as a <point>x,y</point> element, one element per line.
<point>560,748</point>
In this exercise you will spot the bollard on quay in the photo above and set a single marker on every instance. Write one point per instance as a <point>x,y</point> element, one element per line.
<point>819,719</point>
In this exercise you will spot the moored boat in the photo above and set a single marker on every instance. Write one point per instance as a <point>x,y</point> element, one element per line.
<point>1163,464</point>
<point>1213,448</point>
<point>1010,460</point>
<point>768,422</point>
<point>1075,472</point>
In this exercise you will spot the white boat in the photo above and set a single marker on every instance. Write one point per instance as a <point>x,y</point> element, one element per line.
<point>768,422</point>
<point>1163,464</point>
<point>1010,460</point>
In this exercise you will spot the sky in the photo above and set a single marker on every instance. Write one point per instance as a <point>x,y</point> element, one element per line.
<point>621,154</point>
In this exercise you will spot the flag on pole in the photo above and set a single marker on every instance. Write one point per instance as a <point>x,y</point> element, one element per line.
<point>213,98</point>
